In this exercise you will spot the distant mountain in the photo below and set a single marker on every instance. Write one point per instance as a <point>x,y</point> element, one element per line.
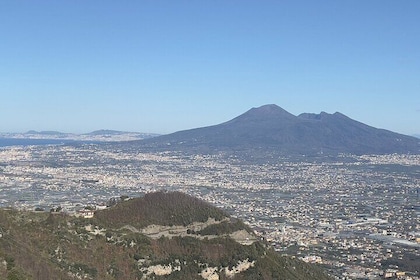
<point>48,133</point>
<point>106,132</point>
<point>158,236</point>
<point>271,129</point>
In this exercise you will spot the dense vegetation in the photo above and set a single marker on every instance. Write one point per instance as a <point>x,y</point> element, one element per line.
<point>174,208</point>
<point>224,227</point>
<point>39,245</point>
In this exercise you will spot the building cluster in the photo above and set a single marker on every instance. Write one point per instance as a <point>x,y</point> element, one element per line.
<point>359,216</point>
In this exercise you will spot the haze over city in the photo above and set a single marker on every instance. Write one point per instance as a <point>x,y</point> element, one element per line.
<point>160,67</point>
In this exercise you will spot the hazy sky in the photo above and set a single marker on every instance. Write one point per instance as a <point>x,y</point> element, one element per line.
<point>162,66</point>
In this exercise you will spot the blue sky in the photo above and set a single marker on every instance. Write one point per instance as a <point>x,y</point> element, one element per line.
<point>164,66</point>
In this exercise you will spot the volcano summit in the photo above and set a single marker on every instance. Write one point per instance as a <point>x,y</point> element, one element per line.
<point>270,128</point>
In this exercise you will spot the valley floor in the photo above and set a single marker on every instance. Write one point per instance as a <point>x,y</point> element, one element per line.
<point>356,215</point>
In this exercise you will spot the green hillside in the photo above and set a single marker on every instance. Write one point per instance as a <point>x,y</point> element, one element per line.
<point>158,236</point>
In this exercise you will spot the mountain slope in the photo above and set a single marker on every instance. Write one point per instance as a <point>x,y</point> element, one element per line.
<point>198,241</point>
<point>270,128</point>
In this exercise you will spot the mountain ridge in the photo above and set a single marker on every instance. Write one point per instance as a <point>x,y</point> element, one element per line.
<point>271,129</point>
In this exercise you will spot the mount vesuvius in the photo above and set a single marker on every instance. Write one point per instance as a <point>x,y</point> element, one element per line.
<point>271,129</point>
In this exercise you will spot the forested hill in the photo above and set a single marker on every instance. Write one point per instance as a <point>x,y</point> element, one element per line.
<point>158,236</point>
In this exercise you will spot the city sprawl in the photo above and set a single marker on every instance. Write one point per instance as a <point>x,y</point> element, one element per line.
<point>359,216</point>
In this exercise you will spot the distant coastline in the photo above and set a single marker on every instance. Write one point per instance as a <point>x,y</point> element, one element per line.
<point>58,138</point>
<point>7,142</point>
